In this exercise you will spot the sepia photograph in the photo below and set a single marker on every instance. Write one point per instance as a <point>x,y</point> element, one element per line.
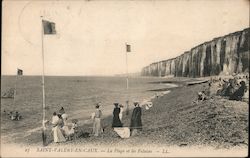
<point>129,78</point>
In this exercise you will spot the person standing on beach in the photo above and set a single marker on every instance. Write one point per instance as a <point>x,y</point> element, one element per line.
<point>97,129</point>
<point>57,133</point>
<point>136,123</point>
<point>116,118</point>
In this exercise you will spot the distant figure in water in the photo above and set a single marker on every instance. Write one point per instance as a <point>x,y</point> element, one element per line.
<point>239,93</point>
<point>97,129</point>
<point>136,123</point>
<point>116,118</point>
<point>57,124</point>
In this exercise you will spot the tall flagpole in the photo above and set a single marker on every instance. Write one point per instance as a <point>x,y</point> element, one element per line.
<point>43,85</point>
<point>127,65</point>
<point>14,101</point>
<point>127,102</point>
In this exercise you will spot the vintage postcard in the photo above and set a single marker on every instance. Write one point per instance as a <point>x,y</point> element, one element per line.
<point>130,78</point>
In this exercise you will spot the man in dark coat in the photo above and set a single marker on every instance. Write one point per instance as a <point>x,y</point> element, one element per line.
<point>136,123</point>
<point>116,118</point>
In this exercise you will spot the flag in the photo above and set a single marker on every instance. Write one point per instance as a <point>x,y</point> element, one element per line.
<point>49,28</point>
<point>128,48</point>
<point>19,72</point>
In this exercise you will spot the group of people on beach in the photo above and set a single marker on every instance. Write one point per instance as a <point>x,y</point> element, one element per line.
<point>64,130</point>
<point>14,116</point>
<point>135,123</point>
<point>234,88</point>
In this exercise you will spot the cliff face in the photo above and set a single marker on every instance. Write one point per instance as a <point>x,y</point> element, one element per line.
<point>224,55</point>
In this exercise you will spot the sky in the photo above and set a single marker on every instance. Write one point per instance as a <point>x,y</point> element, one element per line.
<point>91,34</point>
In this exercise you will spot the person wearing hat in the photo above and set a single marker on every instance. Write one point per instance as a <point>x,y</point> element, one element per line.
<point>136,123</point>
<point>97,129</point>
<point>57,133</point>
<point>61,111</point>
<point>116,118</point>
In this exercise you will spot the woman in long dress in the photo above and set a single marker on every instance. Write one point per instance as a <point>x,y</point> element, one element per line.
<point>116,118</point>
<point>136,123</point>
<point>97,129</point>
<point>57,123</point>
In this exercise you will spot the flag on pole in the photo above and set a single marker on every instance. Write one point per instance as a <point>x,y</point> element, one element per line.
<point>19,72</point>
<point>128,48</point>
<point>49,28</point>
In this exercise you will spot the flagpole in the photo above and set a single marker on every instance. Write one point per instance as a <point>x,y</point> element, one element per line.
<point>43,84</point>
<point>127,102</point>
<point>14,101</point>
<point>127,66</point>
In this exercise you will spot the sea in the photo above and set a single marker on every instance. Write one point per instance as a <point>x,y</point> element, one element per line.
<point>77,94</point>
